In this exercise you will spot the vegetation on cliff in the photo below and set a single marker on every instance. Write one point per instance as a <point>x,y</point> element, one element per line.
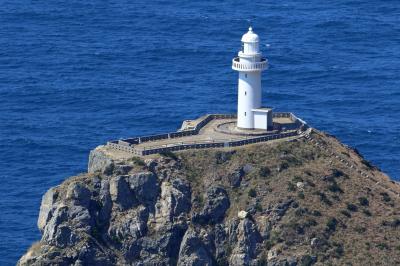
<point>304,202</point>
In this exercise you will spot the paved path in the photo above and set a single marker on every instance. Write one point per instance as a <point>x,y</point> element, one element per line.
<point>206,135</point>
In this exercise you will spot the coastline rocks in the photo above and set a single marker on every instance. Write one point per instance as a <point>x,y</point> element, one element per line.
<point>130,224</point>
<point>105,202</point>
<point>235,178</point>
<point>193,251</point>
<point>100,162</point>
<point>175,200</point>
<point>56,232</point>
<point>217,202</point>
<point>79,194</point>
<point>121,193</point>
<point>246,247</point>
<point>47,208</point>
<point>144,186</point>
<point>178,210</point>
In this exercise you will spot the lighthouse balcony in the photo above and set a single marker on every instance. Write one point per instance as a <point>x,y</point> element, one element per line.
<point>249,67</point>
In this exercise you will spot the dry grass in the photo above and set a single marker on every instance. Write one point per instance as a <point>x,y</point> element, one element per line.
<point>346,210</point>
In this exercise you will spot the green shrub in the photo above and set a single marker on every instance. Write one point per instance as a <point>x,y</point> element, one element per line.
<point>336,197</point>
<point>385,197</point>
<point>169,154</point>
<point>323,198</point>
<point>310,222</point>
<point>331,224</point>
<point>200,199</point>
<point>275,237</point>
<point>337,173</point>
<point>291,187</point>
<point>300,212</point>
<point>394,223</point>
<point>339,250</point>
<point>301,195</point>
<point>306,260</point>
<point>116,239</point>
<point>351,207</point>
<point>316,213</point>
<point>138,161</point>
<point>222,157</point>
<point>360,229</point>
<point>264,171</point>
<point>363,201</point>
<point>367,212</point>
<point>258,207</point>
<point>252,193</point>
<point>310,183</point>
<point>345,213</point>
<point>283,166</point>
<point>334,187</point>
<point>263,260</point>
<point>95,232</point>
<point>382,246</point>
<point>297,179</point>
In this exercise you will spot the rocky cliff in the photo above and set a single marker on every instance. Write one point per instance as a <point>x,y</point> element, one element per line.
<point>310,201</point>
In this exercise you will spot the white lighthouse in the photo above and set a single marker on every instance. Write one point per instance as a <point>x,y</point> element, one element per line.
<point>250,64</point>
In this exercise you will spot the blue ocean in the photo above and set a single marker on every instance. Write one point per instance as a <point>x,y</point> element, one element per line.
<point>74,74</point>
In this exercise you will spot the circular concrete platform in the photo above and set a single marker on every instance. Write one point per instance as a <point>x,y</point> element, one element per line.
<point>230,128</point>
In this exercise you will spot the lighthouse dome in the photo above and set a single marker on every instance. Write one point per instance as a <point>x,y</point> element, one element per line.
<point>250,36</point>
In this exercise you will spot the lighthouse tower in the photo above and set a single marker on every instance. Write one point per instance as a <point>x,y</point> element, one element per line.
<point>250,64</point>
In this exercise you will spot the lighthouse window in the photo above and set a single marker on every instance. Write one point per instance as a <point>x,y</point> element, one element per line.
<point>244,113</point>
<point>245,75</point>
<point>245,93</point>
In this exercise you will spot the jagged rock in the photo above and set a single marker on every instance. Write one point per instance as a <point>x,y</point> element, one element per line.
<point>80,217</point>
<point>193,251</point>
<point>217,202</point>
<point>248,238</point>
<point>291,261</point>
<point>141,215</point>
<point>121,193</point>
<point>300,185</point>
<point>56,232</point>
<point>122,169</point>
<point>235,178</point>
<point>151,164</point>
<point>144,186</point>
<point>130,224</point>
<point>165,243</point>
<point>105,202</point>
<point>78,193</point>
<point>279,211</point>
<point>220,242</point>
<point>100,162</point>
<point>175,200</point>
<point>47,208</point>
<point>247,168</point>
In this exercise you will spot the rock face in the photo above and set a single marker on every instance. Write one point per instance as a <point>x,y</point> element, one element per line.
<point>291,203</point>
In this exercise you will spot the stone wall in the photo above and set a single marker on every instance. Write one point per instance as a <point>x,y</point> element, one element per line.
<point>127,145</point>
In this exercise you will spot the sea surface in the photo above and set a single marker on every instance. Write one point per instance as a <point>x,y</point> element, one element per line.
<point>74,74</point>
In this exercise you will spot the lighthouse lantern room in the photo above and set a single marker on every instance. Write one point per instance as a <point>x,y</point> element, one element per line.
<point>250,63</point>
